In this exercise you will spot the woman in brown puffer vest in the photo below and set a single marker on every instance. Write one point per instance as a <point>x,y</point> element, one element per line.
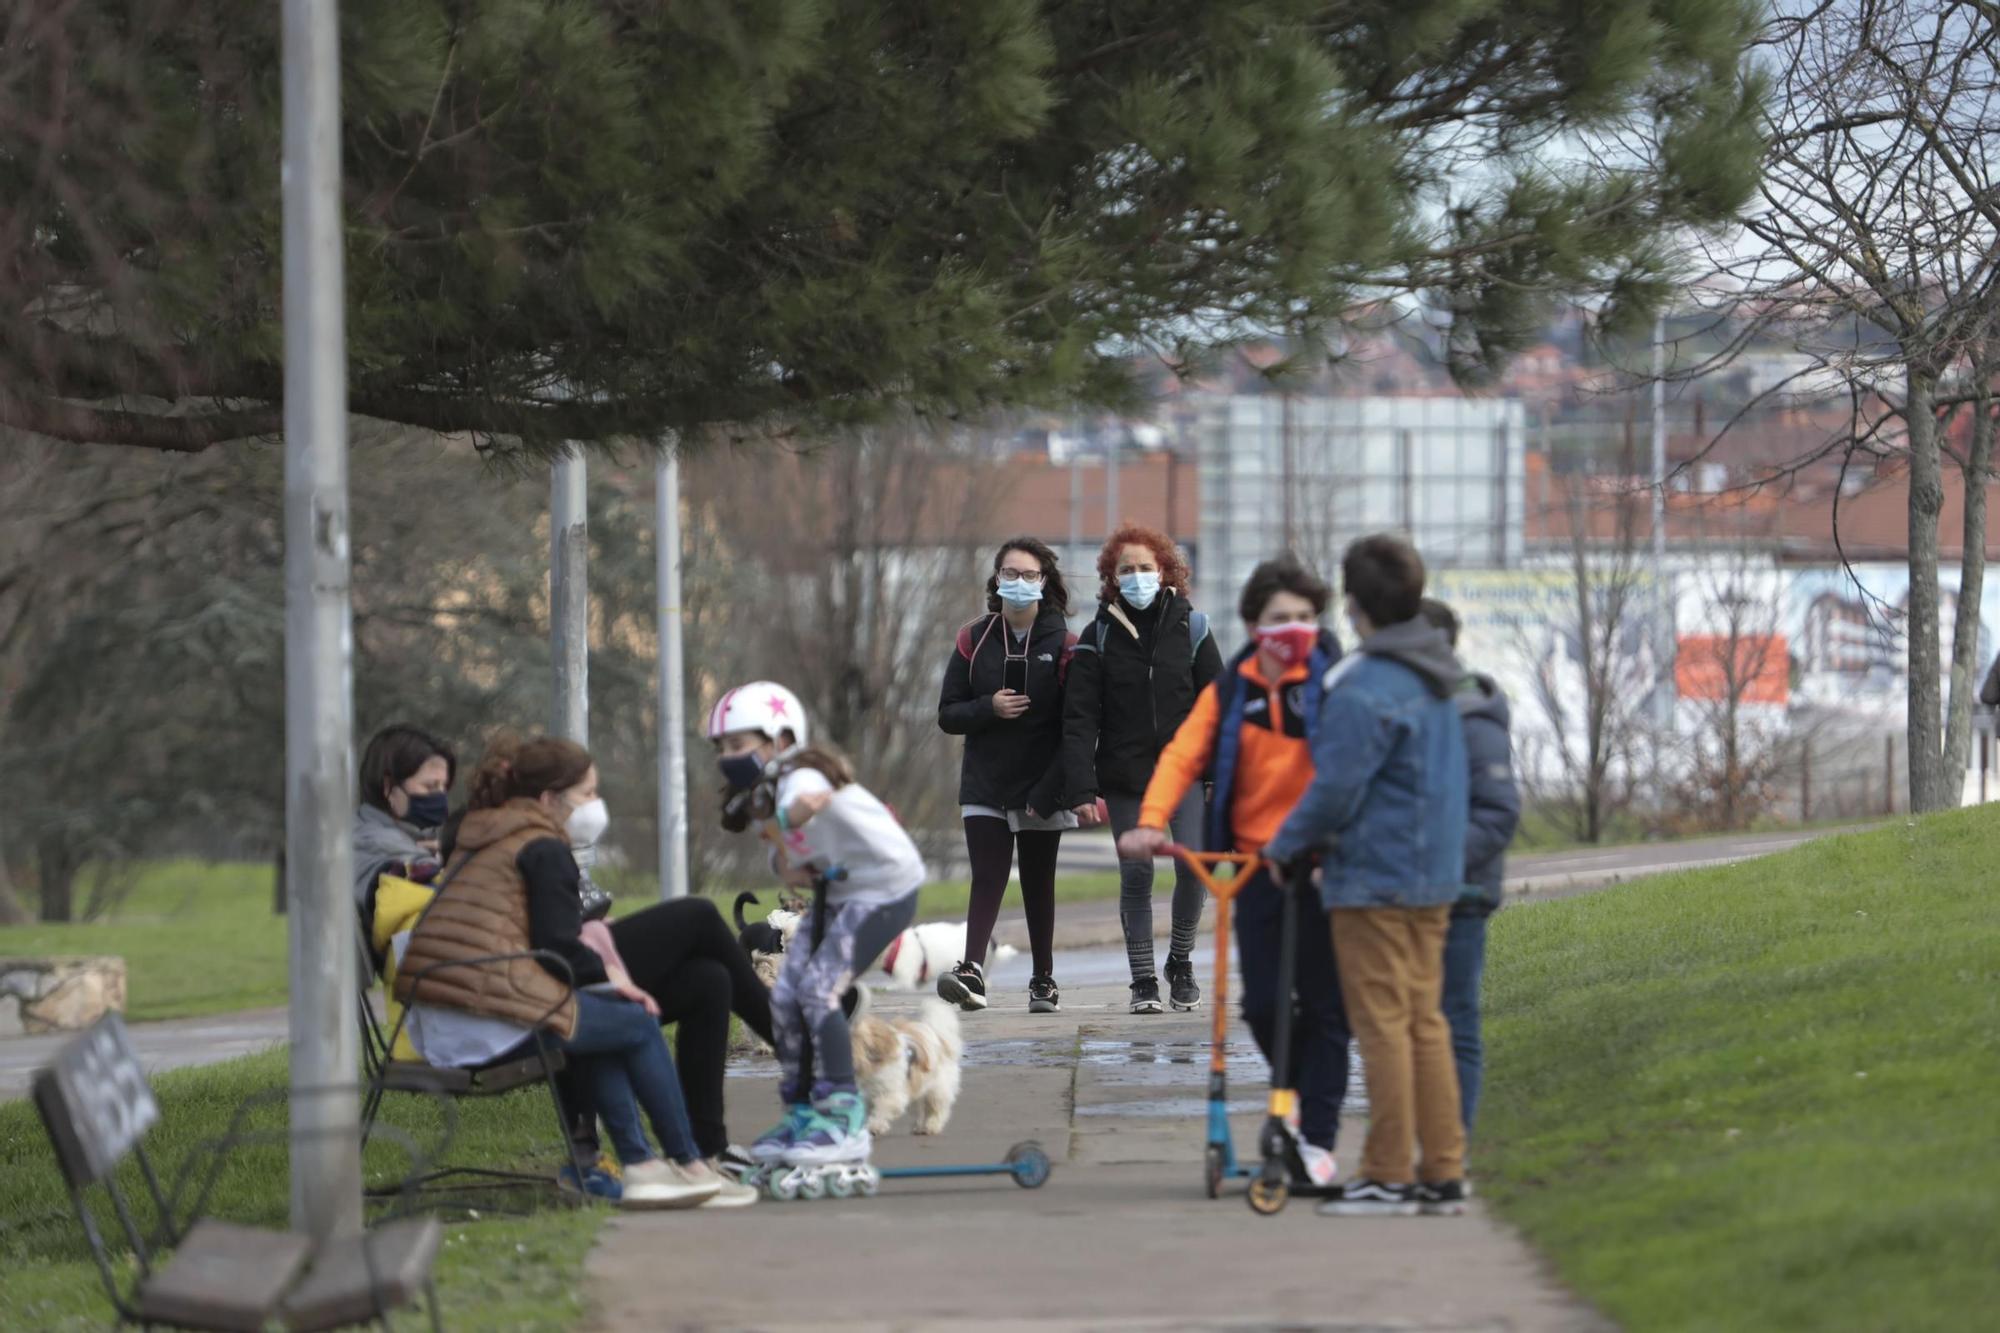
<point>512,885</point>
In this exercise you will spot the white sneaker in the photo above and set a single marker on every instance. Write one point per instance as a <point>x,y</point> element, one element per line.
<point>659,1184</point>
<point>733,1194</point>
<point>1321,1169</point>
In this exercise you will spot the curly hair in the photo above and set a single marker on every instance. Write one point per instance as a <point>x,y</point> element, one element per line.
<point>1174,571</point>
<point>1055,592</point>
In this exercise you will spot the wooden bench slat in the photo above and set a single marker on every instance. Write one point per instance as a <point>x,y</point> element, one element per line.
<point>223,1276</point>
<point>339,1290</point>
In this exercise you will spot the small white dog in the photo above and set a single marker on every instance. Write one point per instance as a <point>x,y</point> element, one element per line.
<point>914,960</point>
<point>909,1064</point>
<point>901,1063</point>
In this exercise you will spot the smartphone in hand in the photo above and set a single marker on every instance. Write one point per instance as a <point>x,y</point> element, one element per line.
<point>1014,674</point>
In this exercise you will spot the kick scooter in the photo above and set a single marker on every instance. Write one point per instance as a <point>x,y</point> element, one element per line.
<point>1027,1162</point>
<point>1271,1182</point>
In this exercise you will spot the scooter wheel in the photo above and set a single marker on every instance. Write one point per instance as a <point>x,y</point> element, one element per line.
<point>1029,1163</point>
<point>1268,1195</point>
<point>1211,1170</point>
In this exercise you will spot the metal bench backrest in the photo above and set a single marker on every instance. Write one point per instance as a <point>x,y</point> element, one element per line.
<point>96,1102</point>
<point>97,1106</point>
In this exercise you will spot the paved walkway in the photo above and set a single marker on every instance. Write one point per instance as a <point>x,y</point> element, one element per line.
<point>172,1044</point>
<point>1121,1237</point>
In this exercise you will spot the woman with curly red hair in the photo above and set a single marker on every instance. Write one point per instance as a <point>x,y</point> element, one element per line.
<point>1137,670</point>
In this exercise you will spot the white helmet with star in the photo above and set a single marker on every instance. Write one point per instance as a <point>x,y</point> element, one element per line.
<point>762,706</point>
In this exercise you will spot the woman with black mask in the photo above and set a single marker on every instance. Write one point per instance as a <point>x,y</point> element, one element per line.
<point>406,777</point>
<point>1003,692</point>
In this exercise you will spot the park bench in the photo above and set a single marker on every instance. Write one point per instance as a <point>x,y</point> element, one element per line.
<point>387,1074</point>
<point>97,1107</point>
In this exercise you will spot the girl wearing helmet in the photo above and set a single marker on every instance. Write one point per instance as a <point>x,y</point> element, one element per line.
<point>816,817</point>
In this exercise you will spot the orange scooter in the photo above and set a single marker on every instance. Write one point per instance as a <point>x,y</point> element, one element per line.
<point>1271,1183</point>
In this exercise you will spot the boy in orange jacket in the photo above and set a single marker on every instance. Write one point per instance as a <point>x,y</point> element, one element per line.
<point>1250,732</point>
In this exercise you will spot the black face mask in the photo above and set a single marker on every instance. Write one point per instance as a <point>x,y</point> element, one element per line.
<point>428,811</point>
<point>741,771</point>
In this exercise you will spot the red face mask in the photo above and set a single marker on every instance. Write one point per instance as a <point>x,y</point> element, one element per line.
<point>1289,645</point>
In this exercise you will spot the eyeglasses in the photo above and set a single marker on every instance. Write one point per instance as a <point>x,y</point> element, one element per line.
<point>1021,575</point>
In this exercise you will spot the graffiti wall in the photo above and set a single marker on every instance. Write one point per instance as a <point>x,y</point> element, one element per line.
<point>1794,645</point>
<point>1850,652</point>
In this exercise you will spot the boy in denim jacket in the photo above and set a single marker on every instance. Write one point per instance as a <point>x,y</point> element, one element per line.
<point>1387,811</point>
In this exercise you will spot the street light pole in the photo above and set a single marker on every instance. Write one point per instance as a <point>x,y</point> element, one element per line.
<point>319,638</point>
<point>673,684</point>
<point>1663,678</point>
<point>569,596</point>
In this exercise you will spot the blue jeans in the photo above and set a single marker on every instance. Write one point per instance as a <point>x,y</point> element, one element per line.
<point>1464,966</point>
<point>627,1066</point>
<point>1319,1037</point>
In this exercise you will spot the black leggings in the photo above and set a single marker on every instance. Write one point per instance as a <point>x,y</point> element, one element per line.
<point>990,846</point>
<point>684,955</point>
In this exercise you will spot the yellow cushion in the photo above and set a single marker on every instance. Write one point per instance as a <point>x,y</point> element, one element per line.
<point>398,904</point>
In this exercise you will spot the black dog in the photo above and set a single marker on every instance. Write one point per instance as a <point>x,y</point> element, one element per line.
<point>756,936</point>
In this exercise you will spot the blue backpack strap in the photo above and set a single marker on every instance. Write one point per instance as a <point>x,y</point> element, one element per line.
<point>1325,657</point>
<point>1230,693</point>
<point>1092,639</point>
<point>1197,627</point>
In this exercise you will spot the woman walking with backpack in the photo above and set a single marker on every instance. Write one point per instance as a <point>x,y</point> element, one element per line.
<point>1138,669</point>
<point>1003,692</point>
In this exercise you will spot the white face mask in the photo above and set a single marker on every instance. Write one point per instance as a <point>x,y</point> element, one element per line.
<point>587,823</point>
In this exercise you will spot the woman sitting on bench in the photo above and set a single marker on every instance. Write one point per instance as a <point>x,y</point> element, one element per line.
<point>509,885</point>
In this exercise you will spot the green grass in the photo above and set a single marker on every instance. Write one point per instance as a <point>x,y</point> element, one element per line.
<point>196,937</point>
<point>1762,1096</point>
<point>513,1273</point>
<point>200,937</point>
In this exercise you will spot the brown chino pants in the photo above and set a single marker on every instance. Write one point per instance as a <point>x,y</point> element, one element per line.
<point>1391,976</point>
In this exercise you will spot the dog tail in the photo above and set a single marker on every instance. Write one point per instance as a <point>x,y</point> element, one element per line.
<point>942,1019</point>
<point>743,899</point>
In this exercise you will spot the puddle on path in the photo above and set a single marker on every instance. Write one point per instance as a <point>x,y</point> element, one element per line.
<point>1021,1053</point>
<point>1169,1108</point>
<point>1183,1063</point>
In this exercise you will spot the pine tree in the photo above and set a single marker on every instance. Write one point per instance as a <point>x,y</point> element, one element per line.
<point>579,219</point>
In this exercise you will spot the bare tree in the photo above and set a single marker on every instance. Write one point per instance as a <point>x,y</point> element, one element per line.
<point>1876,249</point>
<point>1731,678</point>
<point>1595,668</point>
<point>844,573</point>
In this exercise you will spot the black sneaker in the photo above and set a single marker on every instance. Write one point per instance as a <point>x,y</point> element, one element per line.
<point>1043,997</point>
<point>1372,1198</point>
<point>734,1162</point>
<point>1181,988</point>
<point>1146,996</point>
<point>964,986</point>
<point>1442,1198</point>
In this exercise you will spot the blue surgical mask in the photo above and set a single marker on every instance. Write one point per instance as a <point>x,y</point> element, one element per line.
<point>1020,593</point>
<point>429,810</point>
<point>741,771</point>
<point>1139,589</point>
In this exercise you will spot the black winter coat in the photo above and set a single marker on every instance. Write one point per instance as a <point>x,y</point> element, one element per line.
<point>1123,706</point>
<point>1010,763</point>
<point>1496,800</point>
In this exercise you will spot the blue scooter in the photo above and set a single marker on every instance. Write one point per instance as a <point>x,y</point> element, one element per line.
<point>1026,1162</point>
